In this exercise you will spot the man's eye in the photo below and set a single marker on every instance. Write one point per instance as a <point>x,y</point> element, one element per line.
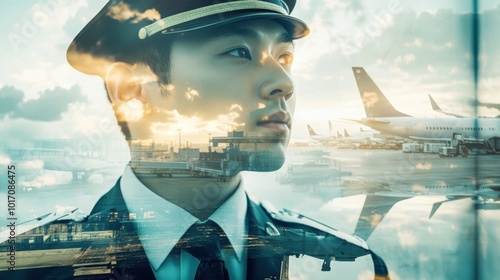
<point>239,52</point>
<point>285,59</point>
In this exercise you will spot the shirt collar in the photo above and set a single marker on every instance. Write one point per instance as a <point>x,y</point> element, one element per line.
<point>160,223</point>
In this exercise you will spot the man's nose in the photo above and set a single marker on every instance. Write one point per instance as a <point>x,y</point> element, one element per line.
<point>275,81</point>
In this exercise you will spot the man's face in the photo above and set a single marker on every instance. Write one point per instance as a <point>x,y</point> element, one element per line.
<point>232,78</point>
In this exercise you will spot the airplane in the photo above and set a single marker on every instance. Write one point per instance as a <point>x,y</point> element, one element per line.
<point>364,137</point>
<point>382,116</point>
<point>22,227</point>
<point>381,197</point>
<point>490,105</point>
<point>324,139</point>
<point>84,170</point>
<point>436,108</point>
<point>81,168</point>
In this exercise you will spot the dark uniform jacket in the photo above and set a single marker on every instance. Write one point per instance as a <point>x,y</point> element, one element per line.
<point>110,247</point>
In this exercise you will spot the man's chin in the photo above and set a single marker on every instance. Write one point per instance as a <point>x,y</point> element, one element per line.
<point>260,156</point>
<point>266,161</point>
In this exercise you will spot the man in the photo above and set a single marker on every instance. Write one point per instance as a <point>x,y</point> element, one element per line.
<point>226,64</point>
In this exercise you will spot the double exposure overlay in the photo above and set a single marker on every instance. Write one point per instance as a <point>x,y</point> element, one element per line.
<point>356,140</point>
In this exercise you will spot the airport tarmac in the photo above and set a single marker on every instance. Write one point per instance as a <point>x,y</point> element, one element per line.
<point>398,167</point>
<point>458,242</point>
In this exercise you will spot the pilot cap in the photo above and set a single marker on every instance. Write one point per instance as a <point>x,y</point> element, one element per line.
<point>124,26</point>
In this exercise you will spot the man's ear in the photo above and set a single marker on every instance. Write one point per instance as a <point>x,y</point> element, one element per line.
<point>121,84</point>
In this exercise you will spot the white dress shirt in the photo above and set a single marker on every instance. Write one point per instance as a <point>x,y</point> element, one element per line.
<point>160,224</point>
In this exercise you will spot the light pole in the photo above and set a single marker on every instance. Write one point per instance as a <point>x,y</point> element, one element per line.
<point>179,141</point>
<point>209,146</point>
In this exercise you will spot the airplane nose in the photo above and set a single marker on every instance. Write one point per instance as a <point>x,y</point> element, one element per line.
<point>341,249</point>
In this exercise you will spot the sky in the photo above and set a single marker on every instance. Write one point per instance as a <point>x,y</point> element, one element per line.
<point>410,50</point>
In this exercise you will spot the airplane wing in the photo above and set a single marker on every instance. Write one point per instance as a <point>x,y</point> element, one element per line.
<point>436,108</point>
<point>367,121</point>
<point>81,168</point>
<point>374,121</point>
<point>489,192</point>
<point>449,198</point>
<point>77,165</point>
<point>36,222</point>
<point>373,212</point>
<point>25,226</point>
<point>382,196</point>
<point>376,206</point>
<point>352,120</point>
<point>489,105</point>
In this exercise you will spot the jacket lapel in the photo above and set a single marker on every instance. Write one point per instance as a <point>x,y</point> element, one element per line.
<point>131,263</point>
<point>262,263</point>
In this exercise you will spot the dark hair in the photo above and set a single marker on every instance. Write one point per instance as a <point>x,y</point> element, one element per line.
<point>156,55</point>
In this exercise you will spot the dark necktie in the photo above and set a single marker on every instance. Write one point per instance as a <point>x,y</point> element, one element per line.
<point>203,242</point>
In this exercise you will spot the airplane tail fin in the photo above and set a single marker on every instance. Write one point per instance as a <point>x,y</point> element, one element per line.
<point>346,134</point>
<point>438,109</point>
<point>374,101</point>
<point>373,212</point>
<point>435,106</point>
<point>311,131</point>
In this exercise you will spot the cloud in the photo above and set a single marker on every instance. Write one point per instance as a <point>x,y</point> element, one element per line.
<point>194,126</point>
<point>46,179</point>
<point>10,98</point>
<point>4,160</point>
<point>123,12</point>
<point>48,107</point>
<point>407,239</point>
<point>411,53</point>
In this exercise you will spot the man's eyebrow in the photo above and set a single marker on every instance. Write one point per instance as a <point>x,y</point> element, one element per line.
<point>284,37</point>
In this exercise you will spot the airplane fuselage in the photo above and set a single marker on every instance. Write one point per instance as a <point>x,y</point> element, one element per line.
<point>322,138</point>
<point>442,128</point>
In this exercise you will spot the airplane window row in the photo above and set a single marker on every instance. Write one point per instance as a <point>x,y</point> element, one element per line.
<point>450,128</point>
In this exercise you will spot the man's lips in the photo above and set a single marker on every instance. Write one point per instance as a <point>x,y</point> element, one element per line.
<point>274,126</point>
<point>279,121</point>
